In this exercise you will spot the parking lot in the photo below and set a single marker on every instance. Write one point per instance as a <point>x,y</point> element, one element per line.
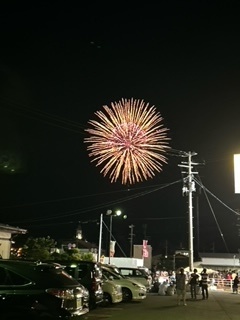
<point>221,305</point>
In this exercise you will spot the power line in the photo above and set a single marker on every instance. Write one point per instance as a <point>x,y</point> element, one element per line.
<point>48,118</point>
<point>214,216</point>
<point>95,207</point>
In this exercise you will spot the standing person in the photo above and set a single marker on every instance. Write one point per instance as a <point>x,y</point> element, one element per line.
<point>181,286</point>
<point>235,284</point>
<point>193,284</point>
<point>204,280</point>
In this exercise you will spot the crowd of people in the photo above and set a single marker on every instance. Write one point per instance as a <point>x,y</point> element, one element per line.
<point>197,283</point>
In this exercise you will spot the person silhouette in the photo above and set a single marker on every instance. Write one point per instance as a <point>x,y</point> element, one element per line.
<point>204,280</point>
<point>235,284</point>
<point>193,284</point>
<point>181,286</point>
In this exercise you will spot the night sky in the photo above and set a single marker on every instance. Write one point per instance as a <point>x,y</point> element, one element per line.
<point>60,63</point>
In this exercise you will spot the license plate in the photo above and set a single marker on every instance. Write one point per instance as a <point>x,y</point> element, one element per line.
<point>79,303</point>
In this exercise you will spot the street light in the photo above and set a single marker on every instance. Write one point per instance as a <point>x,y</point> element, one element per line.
<point>111,214</point>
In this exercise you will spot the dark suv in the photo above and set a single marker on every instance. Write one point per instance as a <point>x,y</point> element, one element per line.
<point>31,290</point>
<point>89,274</point>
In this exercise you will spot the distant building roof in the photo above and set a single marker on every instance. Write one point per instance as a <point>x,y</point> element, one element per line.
<point>220,260</point>
<point>219,255</point>
<point>16,230</point>
<point>81,244</point>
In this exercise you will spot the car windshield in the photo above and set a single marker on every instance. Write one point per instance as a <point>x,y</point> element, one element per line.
<point>116,270</point>
<point>109,273</point>
<point>132,272</point>
<point>145,272</point>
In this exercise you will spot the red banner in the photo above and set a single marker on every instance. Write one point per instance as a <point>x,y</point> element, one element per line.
<point>145,249</point>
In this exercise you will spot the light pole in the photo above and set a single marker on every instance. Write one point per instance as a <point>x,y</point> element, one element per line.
<point>131,240</point>
<point>174,262</point>
<point>111,214</point>
<point>100,238</point>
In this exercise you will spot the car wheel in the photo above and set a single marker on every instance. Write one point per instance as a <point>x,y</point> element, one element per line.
<point>127,294</point>
<point>92,305</point>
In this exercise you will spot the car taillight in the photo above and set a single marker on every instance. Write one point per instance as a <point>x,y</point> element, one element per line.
<point>66,294</point>
<point>95,285</point>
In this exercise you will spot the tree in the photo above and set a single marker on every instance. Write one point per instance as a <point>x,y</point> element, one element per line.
<point>43,249</point>
<point>73,255</point>
<point>38,248</point>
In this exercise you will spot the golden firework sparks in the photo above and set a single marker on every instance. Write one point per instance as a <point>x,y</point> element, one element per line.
<point>128,140</point>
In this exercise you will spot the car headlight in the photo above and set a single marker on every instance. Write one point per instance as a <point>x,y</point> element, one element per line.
<point>136,285</point>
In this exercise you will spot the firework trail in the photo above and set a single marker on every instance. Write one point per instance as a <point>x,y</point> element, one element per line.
<point>129,141</point>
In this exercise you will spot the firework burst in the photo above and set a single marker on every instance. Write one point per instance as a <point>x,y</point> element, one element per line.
<point>128,140</point>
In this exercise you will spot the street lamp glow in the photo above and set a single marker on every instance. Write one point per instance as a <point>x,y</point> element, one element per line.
<point>118,213</point>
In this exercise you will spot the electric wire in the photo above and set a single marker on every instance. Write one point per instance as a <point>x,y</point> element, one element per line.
<point>115,240</point>
<point>213,214</point>
<point>95,207</point>
<point>128,189</point>
<point>224,204</point>
<point>42,116</point>
<point>73,126</point>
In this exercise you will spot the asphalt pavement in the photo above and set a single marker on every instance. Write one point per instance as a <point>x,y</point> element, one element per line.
<point>221,305</point>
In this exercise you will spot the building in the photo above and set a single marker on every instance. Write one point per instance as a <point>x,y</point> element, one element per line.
<point>138,252</point>
<point>220,261</point>
<point>77,242</point>
<point>6,236</point>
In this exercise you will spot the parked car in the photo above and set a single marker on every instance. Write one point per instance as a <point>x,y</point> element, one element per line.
<point>89,274</point>
<point>31,291</point>
<point>138,274</point>
<point>112,291</point>
<point>131,290</point>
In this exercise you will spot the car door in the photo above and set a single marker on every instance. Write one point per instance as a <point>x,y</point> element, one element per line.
<point>15,292</point>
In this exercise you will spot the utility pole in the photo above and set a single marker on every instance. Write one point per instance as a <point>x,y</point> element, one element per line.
<point>174,262</point>
<point>131,240</point>
<point>166,249</point>
<point>100,238</point>
<point>188,189</point>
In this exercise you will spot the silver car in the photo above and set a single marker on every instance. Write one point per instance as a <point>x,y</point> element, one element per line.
<point>131,290</point>
<point>137,274</point>
<point>112,291</point>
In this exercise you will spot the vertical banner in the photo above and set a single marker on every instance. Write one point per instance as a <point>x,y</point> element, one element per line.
<point>112,248</point>
<point>145,249</point>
